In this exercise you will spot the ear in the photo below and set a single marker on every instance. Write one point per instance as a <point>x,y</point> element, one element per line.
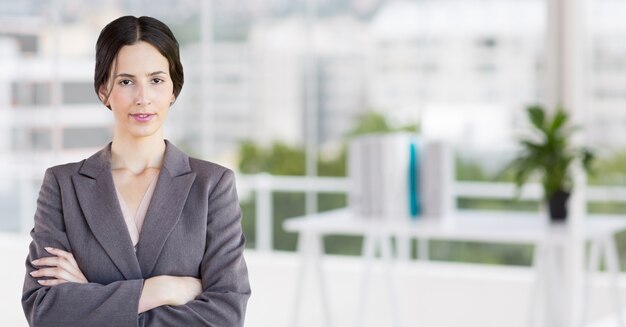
<point>102,94</point>
<point>172,100</point>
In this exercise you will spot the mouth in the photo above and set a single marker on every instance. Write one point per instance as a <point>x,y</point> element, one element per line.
<point>142,117</point>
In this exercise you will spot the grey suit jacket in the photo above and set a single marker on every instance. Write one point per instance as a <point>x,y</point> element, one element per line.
<point>192,228</point>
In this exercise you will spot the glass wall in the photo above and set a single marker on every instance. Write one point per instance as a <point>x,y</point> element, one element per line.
<point>281,86</point>
<point>606,104</point>
<point>606,68</point>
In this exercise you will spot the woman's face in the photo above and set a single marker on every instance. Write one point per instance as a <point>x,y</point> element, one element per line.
<point>140,90</point>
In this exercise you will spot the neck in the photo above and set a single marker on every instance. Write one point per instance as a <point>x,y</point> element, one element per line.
<point>137,154</point>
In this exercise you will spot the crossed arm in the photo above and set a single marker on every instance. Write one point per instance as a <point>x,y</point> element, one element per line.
<point>61,268</point>
<point>56,292</point>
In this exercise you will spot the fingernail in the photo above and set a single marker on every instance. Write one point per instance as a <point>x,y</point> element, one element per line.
<point>48,248</point>
<point>35,262</point>
<point>41,281</point>
<point>32,273</point>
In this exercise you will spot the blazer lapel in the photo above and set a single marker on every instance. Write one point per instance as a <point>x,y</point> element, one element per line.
<point>98,200</point>
<point>166,206</point>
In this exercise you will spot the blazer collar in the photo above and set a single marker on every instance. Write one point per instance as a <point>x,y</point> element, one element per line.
<point>98,199</point>
<point>174,160</point>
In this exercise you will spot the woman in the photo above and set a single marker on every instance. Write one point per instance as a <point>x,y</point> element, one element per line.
<point>138,234</point>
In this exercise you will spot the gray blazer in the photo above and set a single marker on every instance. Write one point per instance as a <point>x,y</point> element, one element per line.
<point>192,228</point>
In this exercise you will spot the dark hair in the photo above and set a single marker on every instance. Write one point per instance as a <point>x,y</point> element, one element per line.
<point>128,30</point>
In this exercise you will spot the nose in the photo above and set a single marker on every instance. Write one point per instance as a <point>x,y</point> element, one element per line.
<point>142,97</point>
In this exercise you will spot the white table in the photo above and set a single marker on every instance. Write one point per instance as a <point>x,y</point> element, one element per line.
<point>550,242</point>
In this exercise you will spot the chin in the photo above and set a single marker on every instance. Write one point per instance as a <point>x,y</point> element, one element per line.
<point>144,132</point>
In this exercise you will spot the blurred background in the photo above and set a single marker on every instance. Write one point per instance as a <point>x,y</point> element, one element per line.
<point>275,89</point>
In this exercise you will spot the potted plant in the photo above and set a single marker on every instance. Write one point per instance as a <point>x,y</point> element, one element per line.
<point>548,155</point>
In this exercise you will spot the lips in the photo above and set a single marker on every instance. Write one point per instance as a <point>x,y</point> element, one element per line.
<point>142,117</point>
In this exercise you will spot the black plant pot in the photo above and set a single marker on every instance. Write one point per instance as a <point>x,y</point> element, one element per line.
<point>557,203</point>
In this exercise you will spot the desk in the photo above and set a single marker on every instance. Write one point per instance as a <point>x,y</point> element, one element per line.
<point>550,241</point>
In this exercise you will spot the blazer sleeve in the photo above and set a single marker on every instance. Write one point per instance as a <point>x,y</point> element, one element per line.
<point>71,304</point>
<point>223,270</point>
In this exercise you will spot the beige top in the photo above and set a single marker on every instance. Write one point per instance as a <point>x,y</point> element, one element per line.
<point>135,223</point>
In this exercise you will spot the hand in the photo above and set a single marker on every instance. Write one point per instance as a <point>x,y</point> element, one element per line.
<point>168,290</point>
<point>183,289</point>
<point>60,268</point>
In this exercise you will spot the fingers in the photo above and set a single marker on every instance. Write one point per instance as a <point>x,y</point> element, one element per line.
<point>63,254</point>
<point>54,262</point>
<point>53,272</point>
<point>51,282</point>
<point>61,266</point>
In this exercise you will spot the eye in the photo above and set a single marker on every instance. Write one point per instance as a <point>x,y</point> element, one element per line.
<point>125,82</point>
<point>157,80</point>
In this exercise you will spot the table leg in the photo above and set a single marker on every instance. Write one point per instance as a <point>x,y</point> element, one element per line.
<point>554,287</point>
<point>544,295</point>
<point>612,264</point>
<point>423,250</point>
<point>371,243</point>
<point>403,247</point>
<point>305,253</point>
<point>387,256</point>
<point>592,267</point>
<point>536,304</point>
<point>319,244</point>
<point>367,253</point>
<point>310,248</point>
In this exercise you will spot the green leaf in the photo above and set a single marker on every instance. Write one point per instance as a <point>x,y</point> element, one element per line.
<point>551,156</point>
<point>587,160</point>
<point>559,120</point>
<point>537,116</point>
<point>532,146</point>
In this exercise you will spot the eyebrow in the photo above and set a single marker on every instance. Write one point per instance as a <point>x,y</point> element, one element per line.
<point>158,72</point>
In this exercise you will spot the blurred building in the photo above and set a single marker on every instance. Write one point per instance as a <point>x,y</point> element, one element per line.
<point>49,105</point>
<point>410,60</point>
<point>606,114</point>
<point>49,112</point>
<point>463,70</point>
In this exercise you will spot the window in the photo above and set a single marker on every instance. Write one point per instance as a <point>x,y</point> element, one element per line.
<point>85,137</point>
<point>79,93</point>
<point>31,94</point>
